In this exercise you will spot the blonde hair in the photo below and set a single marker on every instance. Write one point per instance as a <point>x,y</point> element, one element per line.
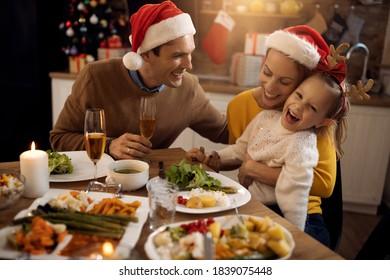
<point>338,112</point>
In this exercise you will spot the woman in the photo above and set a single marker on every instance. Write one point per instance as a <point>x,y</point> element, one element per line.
<point>292,54</point>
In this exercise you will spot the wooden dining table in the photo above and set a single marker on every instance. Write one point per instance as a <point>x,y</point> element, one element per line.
<point>306,247</point>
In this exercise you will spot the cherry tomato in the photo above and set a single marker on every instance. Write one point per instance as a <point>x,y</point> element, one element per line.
<point>180,199</point>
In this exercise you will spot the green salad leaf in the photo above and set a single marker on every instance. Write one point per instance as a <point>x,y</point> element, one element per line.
<point>187,176</point>
<point>59,163</point>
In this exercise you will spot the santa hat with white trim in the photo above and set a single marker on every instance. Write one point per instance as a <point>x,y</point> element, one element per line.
<point>301,43</point>
<point>154,25</point>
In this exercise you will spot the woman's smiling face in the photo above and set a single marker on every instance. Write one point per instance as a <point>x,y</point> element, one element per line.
<point>279,76</point>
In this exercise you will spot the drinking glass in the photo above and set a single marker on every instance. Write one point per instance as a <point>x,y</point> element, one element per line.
<point>95,135</point>
<point>162,202</point>
<point>147,116</point>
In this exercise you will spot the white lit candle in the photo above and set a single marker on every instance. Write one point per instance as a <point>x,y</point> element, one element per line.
<point>34,165</point>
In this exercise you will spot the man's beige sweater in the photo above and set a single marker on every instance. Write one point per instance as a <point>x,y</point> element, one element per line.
<point>107,84</point>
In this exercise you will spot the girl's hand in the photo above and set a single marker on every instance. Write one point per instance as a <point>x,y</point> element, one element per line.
<point>196,154</point>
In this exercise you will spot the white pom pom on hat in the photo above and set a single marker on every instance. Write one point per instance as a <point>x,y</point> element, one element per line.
<point>132,61</point>
<point>154,25</point>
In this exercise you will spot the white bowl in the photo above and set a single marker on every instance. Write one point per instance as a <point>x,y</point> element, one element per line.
<point>130,173</point>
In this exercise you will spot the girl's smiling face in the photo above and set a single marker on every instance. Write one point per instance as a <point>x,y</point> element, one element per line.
<point>308,106</point>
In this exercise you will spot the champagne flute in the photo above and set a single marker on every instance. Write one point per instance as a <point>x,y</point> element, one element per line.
<point>147,116</point>
<point>95,135</point>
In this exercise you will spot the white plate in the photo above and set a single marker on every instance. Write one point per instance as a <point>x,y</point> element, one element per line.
<point>241,197</point>
<point>82,167</point>
<point>226,222</point>
<point>128,241</point>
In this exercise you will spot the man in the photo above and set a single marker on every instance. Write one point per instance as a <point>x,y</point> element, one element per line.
<point>162,42</point>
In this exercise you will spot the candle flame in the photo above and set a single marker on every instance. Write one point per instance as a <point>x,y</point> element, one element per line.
<point>108,248</point>
<point>33,146</point>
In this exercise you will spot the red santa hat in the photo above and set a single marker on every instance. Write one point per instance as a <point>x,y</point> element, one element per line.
<point>154,25</point>
<point>301,43</point>
<point>306,46</point>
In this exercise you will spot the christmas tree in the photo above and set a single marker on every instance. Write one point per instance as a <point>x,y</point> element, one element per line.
<point>92,24</point>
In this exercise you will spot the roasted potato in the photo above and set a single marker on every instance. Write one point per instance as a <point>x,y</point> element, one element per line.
<point>194,202</point>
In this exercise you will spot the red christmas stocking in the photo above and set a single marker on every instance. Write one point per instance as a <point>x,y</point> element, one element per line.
<point>215,41</point>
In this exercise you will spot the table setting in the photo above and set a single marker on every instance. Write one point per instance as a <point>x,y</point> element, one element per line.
<point>137,241</point>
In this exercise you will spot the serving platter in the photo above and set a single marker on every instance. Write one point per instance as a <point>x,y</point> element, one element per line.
<point>241,197</point>
<point>122,250</point>
<point>226,223</point>
<point>82,167</point>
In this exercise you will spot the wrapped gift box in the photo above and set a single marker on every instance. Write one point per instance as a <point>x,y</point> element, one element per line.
<point>245,69</point>
<point>77,63</point>
<point>114,41</point>
<point>255,43</point>
<point>106,53</point>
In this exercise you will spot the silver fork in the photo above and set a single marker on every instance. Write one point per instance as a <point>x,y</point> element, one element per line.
<point>208,245</point>
<point>240,219</point>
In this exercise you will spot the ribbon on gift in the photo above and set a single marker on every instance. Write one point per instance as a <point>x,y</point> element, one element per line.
<point>254,40</point>
<point>77,63</point>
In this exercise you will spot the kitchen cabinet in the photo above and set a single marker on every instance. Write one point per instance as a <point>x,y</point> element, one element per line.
<point>364,165</point>
<point>61,87</point>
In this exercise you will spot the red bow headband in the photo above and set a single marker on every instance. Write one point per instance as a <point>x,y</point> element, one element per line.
<point>333,63</point>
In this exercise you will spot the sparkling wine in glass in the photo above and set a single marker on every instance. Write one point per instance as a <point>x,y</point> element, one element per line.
<point>147,116</point>
<point>95,135</point>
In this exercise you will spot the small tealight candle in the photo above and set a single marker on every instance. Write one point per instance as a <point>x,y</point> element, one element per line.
<point>108,250</point>
<point>34,165</point>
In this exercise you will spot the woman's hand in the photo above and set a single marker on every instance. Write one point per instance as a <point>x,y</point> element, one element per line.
<point>251,170</point>
<point>130,146</point>
<point>243,172</point>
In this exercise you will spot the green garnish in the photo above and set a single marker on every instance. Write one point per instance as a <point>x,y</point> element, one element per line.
<point>59,163</point>
<point>187,176</point>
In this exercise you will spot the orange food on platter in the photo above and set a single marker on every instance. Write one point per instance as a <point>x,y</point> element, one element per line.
<point>43,237</point>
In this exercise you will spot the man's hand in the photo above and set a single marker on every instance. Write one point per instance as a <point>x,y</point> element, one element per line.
<point>130,146</point>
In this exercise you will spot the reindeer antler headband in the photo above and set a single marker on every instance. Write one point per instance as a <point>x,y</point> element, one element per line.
<point>336,67</point>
